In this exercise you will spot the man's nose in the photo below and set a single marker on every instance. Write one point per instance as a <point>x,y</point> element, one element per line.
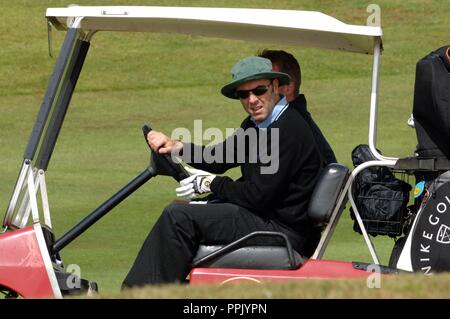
<point>252,98</point>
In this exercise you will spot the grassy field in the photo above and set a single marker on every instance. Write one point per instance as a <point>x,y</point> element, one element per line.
<point>169,81</point>
<point>398,287</point>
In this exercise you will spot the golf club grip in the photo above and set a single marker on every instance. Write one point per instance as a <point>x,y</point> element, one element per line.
<point>146,129</point>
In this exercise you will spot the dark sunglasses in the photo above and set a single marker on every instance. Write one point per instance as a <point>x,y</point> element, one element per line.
<point>258,91</point>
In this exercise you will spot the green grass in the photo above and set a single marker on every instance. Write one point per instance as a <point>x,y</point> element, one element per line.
<point>395,287</point>
<point>169,80</point>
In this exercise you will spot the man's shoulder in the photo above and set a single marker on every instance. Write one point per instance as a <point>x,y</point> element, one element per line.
<point>299,103</point>
<point>290,118</point>
<point>247,123</point>
<point>292,125</point>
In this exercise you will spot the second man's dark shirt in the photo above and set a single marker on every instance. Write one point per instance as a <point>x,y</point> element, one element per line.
<point>325,150</point>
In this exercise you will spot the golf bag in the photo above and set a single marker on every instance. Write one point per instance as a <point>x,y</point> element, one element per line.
<point>431,106</point>
<point>426,246</point>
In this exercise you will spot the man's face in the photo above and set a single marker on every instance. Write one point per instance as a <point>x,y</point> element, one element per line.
<point>259,107</point>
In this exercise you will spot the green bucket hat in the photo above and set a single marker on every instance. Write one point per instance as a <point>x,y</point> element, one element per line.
<point>252,68</point>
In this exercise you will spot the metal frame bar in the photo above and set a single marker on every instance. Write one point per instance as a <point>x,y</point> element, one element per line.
<point>331,226</point>
<point>51,93</point>
<point>356,171</point>
<point>32,190</point>
<point>24,211</point>
<point>377,48</point>
<point>103,209</point>
<point>55,103</point>
<point>67,86</point>
<point>44,198</point>
<point>347,193</point>
<point>22,215</point>
<point>18,188</point>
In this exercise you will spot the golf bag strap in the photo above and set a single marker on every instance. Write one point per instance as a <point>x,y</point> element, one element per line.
<point>426,164</point>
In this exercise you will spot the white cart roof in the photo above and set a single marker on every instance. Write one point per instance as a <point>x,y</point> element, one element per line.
<point>306,28</point>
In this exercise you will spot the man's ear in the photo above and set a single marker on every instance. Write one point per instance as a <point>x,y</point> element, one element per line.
<point>290,88</point>
<point>276,84</point>
<point>283,90</point>
<point>288,91</point>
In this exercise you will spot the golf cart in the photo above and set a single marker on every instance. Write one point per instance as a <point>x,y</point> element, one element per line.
<point>30,264</point>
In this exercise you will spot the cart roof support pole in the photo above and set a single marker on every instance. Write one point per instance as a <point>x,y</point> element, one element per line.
<point>48,105</point>
<point>52,112</point>
<point>66,88</point>
<point>374,101</point>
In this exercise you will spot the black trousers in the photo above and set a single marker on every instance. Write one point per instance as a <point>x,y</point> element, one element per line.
<point>167,253</point>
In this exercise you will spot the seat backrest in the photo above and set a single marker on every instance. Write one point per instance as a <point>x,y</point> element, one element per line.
<point>326,193</point>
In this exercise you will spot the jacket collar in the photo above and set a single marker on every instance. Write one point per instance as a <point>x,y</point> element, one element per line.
<point>278,109</point>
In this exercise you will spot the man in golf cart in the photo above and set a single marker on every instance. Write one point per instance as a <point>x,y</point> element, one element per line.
<point>285,62</point>
<point>268,197</point>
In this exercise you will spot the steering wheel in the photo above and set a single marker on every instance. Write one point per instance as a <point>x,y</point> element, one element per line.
<point>163,164</point>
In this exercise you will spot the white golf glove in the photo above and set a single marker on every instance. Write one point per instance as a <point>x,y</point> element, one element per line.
<point>198,183</point>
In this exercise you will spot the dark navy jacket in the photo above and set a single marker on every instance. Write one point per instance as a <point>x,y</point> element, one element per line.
<point>299,104</point>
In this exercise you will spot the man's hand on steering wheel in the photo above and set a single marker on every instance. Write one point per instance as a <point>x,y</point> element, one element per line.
<point>190,186</point>
<point>162,144</point>
<point>198,183</point>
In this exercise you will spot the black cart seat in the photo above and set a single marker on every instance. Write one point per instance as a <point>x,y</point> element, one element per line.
<point>236,255</point>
